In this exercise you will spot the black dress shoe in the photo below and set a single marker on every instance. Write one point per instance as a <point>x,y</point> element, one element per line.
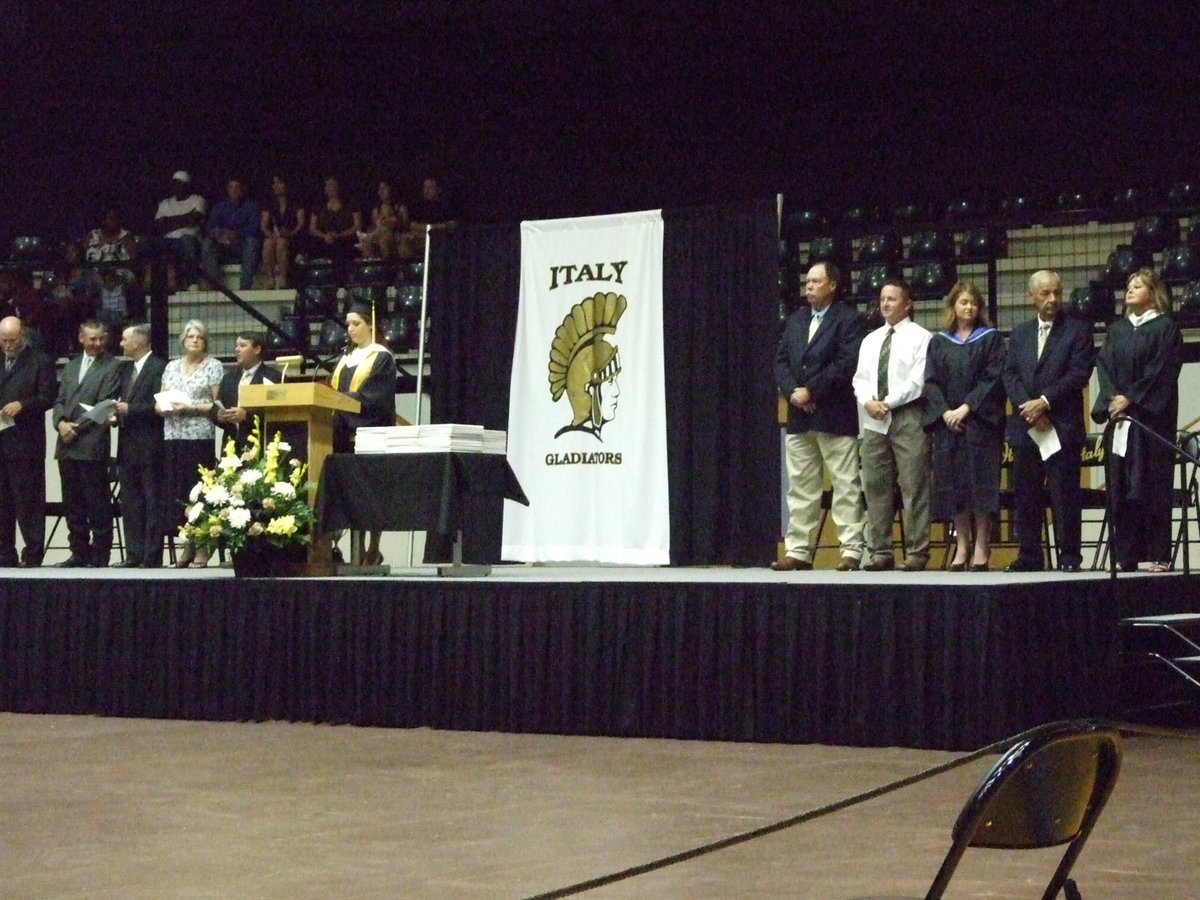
<point>958,567</point>
<point>980,567</point>
<point>1023,565</point>
<point>72,562</point>
<point>1070,567</point>
<point>126,564</point>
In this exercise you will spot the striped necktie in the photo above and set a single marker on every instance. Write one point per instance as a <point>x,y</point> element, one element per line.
<point>885,354</point>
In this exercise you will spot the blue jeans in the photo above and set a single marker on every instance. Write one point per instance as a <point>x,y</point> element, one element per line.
<point>247,250</point>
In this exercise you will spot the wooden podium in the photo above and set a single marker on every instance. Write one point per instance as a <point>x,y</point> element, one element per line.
<point>303,413</point>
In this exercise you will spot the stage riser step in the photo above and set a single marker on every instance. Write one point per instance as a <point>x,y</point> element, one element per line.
<point>1149,685</point>
<point>1173,636</point>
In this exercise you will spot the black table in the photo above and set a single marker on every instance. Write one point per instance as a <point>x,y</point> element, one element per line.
<point>447,495</point>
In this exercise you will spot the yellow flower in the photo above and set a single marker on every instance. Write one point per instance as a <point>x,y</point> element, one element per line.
<point>284,525</point>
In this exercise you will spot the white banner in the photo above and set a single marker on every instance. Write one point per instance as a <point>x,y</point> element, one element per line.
<point>587,426</point>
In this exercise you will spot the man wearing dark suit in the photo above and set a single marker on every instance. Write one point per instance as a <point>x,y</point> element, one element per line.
<point>27,389</point>
<point>140,450</point>
<point>814,368</point>
<point>83,448</point>
<point>1046,369</point>
<point>236,420</point>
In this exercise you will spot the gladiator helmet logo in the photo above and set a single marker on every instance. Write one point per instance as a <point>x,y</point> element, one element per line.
<point>584,366</point>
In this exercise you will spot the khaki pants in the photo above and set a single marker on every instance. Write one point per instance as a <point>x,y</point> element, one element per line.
<point>903,455</point>
<point>808,454</point>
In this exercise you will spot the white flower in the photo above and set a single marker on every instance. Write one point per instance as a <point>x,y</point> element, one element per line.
<point>283,446</point>
<point>216,494</point>
<point>239,518</point>
<point>250,476</point>
<point>194,511</point>
<point>194,493</point>
<point>229,463</point>
<point>283,489</point>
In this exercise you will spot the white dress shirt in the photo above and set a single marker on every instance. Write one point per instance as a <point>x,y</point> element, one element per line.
<point>906,370</point>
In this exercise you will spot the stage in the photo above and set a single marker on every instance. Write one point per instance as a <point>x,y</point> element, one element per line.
<point>933,660</point>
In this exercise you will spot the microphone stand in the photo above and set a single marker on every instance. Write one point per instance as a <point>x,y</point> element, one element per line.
<point>1188,489</point>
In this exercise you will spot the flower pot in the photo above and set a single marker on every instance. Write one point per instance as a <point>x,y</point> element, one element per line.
<point>262,559</point>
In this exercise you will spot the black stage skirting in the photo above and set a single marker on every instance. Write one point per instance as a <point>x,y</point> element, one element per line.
<point>932,665</point>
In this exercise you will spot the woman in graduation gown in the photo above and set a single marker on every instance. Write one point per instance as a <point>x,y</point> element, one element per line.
<point>1138,370</point>
<point>964,411</point>
<point>367,372</point>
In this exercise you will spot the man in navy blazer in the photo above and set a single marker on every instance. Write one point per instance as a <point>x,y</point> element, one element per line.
<point>235,420</point>
<point>814,367</point>
<point>1046,369</point>
<point>83,447</point>
<point>27,389</point>
<point>140,450</point>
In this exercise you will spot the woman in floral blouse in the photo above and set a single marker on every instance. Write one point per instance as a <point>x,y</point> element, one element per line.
<point>188,433</point>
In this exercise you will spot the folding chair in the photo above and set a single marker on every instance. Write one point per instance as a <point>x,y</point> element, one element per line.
<point>1048,789</point>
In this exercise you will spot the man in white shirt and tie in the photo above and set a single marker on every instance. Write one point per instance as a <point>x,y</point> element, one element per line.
<point>140,450</point>
<point>231,416</point>
<point>888,384</point>
<point>1046,370</point>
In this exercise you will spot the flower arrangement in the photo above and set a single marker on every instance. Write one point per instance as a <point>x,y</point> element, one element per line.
<point>258,494</point>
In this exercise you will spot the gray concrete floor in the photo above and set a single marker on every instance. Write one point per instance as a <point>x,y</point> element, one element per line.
<point>119,808</point>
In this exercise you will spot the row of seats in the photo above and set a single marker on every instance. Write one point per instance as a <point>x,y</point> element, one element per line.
<point>802,223</point>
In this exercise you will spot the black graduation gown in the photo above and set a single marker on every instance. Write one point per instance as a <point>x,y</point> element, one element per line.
<point>966,466</point>
<point>1143,365</point>
<point>376,393</point>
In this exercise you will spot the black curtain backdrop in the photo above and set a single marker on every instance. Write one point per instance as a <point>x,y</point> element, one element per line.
<point>942,666</point>
<point>720,323</point>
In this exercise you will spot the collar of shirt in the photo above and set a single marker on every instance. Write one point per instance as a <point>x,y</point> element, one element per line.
<point>1137,321</point>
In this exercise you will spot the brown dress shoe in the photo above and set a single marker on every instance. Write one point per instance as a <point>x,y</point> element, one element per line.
<point>880,564</point>
<point>791,564</point>
<point>911,564</point>
<point>848,564</point>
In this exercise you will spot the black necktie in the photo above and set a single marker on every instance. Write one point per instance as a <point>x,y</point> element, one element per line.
<point>885,354</point>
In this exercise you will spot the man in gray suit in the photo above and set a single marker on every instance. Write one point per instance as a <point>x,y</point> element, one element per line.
<point>83,447</point>
<point>27,389</point>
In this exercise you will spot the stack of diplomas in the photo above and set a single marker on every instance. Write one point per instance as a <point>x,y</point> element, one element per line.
<point>430,439</point>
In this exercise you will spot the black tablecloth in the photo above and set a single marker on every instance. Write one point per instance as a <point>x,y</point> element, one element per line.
<point>440,493</point>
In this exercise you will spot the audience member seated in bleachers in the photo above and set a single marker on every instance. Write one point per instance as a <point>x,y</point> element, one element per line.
<point>280,222</point>
<point>73,289</point>
<point>18,298</point>
<point>334,224</point>
<point>233,232</point>
<point>178,220</point>
<point>430,208</point>
<point>114,304</point>
<point>111,242</point>
<point>388,220</point>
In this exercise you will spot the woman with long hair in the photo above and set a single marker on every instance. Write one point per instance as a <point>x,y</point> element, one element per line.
<point>1138,370</point>
<point>964,412</point>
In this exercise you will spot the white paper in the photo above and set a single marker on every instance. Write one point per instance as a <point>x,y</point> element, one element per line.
<point>1047,441</point>
<point>879,426</point>
<point>6,421</point>
<point>1120,439</point>
<point>164,400</point>
<point>101,412</point>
